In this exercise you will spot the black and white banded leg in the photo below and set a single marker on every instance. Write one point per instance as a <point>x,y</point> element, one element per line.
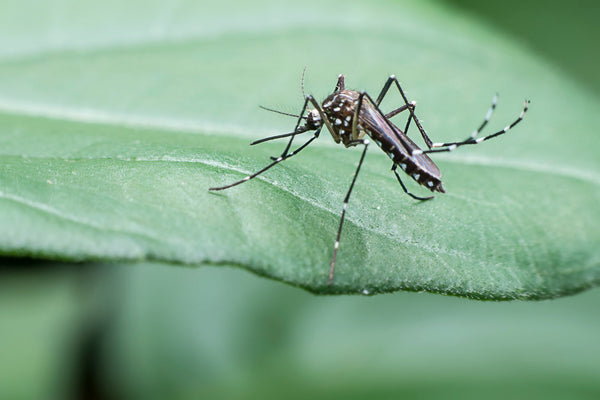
<point>365,142</point>
<point>275,162</point>
<point>283,135</point>
<point>488,115</point>
<point>296,130</point>
<point>444,147</point>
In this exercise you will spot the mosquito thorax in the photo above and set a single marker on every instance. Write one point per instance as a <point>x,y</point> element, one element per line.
<point>339,108</point>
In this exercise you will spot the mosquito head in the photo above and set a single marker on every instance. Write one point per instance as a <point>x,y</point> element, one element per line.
<point>313,120</point>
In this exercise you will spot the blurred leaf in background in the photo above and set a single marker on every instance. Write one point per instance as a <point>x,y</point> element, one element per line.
<point>109,110</point>
<point>564,34</point>
<point>245,337</point>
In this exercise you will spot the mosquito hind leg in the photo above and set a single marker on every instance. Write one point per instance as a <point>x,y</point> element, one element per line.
<point>391,80</point>
<point>443,147</point>
<point>394,166</point>
<point>399,110</point>
<point>488,115</point>
<point>475,133</point>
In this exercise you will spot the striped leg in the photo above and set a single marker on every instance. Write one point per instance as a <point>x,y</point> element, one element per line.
<point>296,129</point>
<point>300,130</point>
<point>365,142</point>
<point>488,115</point>
<point>277,161</point>
<point>442,147</point>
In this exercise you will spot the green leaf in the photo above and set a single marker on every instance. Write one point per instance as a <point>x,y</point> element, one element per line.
<point>113,127</point>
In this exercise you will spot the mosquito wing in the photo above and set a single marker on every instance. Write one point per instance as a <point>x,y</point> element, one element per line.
<point>393,139</point>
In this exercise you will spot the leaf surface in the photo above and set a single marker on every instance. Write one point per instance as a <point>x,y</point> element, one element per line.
<point>111,131</point>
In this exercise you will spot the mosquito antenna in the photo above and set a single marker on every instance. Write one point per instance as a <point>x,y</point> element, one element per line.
<point>302,82</point>
<point>280,112</point>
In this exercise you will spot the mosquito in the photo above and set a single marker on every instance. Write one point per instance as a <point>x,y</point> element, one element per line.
<point>350,116</point>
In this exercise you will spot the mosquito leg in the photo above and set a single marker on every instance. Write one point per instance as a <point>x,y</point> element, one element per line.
<point>399,110</point>
<point>283,135</point>
<point>324,120</point>
<point>277,161</point>
<point>406,106</point>
<point>340,85</point>
<point>442,147</point>
<point>409,119</point>
<point>339,232</point>
<point>391,126</point>
<point>409,106</point>
<point>296,130</point>
<point>488,115</point>
<point>384,90</point>
<point>392,79</point>
<point>476,131</point>
<point>359,102</point>
<point>404,187</point>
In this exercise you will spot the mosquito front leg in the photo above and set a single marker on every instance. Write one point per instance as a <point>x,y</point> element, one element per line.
<point>296,130</point>
<point>283,135</point>
<point>275,162</point>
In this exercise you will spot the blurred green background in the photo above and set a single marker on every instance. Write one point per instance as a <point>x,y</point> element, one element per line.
<point>103,331</point>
